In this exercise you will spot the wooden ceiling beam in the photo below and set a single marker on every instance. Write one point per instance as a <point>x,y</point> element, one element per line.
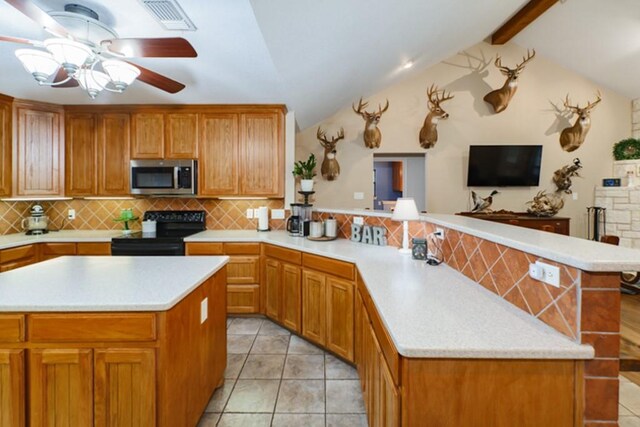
<point>525,16</point>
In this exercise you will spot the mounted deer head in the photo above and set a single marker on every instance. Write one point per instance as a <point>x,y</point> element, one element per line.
<point>571,138</point>
<point>500,98</point>
<point>372,135</point>
<point>429,131</point>
<point>330,168</point>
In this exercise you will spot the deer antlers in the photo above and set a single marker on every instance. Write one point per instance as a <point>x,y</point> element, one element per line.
<point>576,108</point>
<point>519,67</point>
<point>362,105</point>
<point>435,102</point>
<point>322,137</point>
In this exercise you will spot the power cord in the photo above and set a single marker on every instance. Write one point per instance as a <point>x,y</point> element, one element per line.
<point>436,257</point>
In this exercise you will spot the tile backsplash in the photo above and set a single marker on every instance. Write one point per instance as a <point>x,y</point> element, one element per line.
<point>99,214</point>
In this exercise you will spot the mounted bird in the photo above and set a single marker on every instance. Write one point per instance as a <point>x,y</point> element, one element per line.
<point>429,131</point>
<point>500,98</point>
<point>562,177</point>
<point>330,167</point>
<point>482,204</point>
<point>372,135</point>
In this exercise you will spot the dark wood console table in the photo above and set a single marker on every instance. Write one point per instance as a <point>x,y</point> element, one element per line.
<point>555,224</point>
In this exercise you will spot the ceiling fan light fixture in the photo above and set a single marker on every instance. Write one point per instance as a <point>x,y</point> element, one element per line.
<point>92,81</point>
<point>121,73</point>
<point>40,64</point>
<point>70,54</point>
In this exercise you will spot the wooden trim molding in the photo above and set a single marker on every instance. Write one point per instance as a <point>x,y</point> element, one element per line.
<point>518,22</point>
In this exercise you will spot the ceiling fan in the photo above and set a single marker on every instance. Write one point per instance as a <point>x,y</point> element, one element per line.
<point>85,52</point>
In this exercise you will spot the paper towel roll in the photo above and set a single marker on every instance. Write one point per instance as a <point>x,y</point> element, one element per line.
<point>263,218</point>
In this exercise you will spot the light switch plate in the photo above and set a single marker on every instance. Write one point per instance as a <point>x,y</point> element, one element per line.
<point>249,213</point>
<point>358,195</point>
<point>204,310</point>
<point>71,214</point>
<point>358,220</point>
<point>546,273</point>
<point>277,213</point>
<point>574,195</point>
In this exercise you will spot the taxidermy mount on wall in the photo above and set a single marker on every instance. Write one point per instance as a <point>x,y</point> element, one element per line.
<point>544,204</point>
<point>500,98</point>
<point>372,135</point>
<point>429,131</point>
<point>572,138</point>
<point>330,168</point>
<point>562,177</point>
<point>482,204</point>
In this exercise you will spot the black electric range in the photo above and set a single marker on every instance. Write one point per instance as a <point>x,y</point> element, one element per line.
<point>171,229</point>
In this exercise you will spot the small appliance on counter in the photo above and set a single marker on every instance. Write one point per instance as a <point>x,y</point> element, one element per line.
<point>294,222</point>
<point>305,217</point>
<point>37,223</point>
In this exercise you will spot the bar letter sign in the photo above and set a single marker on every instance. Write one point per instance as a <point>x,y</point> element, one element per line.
<point>369,235</point>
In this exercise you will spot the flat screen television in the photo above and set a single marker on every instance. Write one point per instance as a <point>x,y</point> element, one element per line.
<point>504,165</point>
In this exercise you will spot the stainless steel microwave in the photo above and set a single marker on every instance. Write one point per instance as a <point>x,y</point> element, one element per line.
<point>164,177</point>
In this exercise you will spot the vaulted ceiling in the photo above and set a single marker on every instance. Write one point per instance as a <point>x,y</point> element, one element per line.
<point>317,56</point>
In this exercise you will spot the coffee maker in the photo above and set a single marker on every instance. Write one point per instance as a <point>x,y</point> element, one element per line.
<point>294,223</point>
<point>305,218</point>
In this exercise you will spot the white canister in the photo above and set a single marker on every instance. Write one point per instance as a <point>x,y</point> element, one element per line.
<point>316,229</point>
<point>331,228</point>
<point>148,227</point>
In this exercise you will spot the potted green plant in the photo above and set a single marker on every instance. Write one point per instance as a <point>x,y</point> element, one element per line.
<point>305,170</point>
<point>126,215</point>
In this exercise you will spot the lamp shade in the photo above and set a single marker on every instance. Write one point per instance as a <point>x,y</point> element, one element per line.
<point>405,210</point>
<point>92,81</point>
<point>122,74</point>
<point>71,54</point>
<point>40,64</point>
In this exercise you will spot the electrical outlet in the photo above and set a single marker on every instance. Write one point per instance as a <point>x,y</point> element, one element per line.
<point>249,213</point>
<point>546,273</point>
<point>439,233</point>
<point>358,220</point>
<point>255,212</point>
<point>204,310</point>
<point>574,195</point>
<point>358,195</point>
<point>277,213</point>
<point>71,214</point>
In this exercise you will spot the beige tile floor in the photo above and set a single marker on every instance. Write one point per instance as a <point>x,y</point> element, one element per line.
<point>274,378</point>
<point>629,410</point>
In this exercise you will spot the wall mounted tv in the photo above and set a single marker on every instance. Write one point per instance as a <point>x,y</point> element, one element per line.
<point>504,165</point>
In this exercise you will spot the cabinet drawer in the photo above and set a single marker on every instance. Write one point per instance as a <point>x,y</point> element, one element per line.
<point>330,266</point>
<point>242,248</point>
<point>243,269</point>
<point>202,248</point>
<point>94,249</point>
<point>11,328</point>
<point>91,327</point>
<point>17,264</point>
<point>15,254</point>
<point>57,249</point>
<point>283,254</point>
<point>243,299</point>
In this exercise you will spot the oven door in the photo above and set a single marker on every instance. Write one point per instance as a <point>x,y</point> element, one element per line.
<point>163,177</point>
<point>140,247</point>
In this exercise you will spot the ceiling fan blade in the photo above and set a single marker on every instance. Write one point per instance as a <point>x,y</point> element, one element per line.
<point>175,47</point>
<point>158,80</point>
<point>61,76</point>
<point>17,40</point>
<point>28,8</point>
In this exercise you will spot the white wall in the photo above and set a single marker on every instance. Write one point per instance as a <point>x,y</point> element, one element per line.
<point>530,119</point>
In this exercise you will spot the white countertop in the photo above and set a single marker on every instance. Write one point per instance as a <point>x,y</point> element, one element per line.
<point>19,239</point>
<point>431,311</point>
<point>99,283</point>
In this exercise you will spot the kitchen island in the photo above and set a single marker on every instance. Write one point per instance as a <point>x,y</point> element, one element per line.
<point>111,340</point>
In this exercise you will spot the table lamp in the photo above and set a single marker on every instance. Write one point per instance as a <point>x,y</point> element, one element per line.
<point>405,211</point>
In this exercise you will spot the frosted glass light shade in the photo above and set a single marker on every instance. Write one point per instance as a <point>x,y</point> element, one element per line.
<point>71,54</point>
<point>405,210</point>
<point>122,74</point>
<point>92,81</point>
<point>40,64</point>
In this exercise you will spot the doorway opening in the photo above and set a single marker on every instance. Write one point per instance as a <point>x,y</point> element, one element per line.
<point>398,175</point>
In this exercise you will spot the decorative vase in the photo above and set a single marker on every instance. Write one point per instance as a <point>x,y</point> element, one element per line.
<point>306,184</point>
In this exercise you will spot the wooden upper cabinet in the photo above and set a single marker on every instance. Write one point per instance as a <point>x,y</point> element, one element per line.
<point>38,150</point>
<point>80,154</point>
<point>181,136</point>
<point>261,154</point>
<point>5,145</point>
<point>218,155</point>
<point>113,154</point>
<point>147,134</point>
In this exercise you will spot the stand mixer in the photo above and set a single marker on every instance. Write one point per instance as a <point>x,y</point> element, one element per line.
<point>37,223</point>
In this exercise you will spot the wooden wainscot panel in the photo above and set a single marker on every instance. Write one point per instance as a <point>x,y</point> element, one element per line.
<point>242,248</point>
<point>15,254</point>
<point>204,248</point>
<point>328,265</point>
<point>11,328</point>
<point>91,327</point>
<point>12,388</point>
<point>283,254</point>
<point>466,392</point>
<point>243,299</point>
<point>94,248</point>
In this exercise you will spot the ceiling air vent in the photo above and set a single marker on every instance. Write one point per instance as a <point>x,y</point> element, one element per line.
<point>169,14</point>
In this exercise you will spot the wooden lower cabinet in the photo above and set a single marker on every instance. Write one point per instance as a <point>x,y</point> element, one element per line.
<point>18,257</point>
<point>55,250</point>
<point>314,306</point>
<point>283,293</point>
<point>91,248</point>
<point>12,388</point>
<point>243,299</point>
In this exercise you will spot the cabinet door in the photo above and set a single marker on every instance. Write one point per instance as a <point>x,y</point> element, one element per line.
<point>61,387</point>
<point>389,398</point>
<point>340,317</point>
<point>243,299</point>
<point>218,155</point>
<point>38,153</point>
<point>12,387</point>
<point>291,297</point>
<point>125,388</point>
<point>314,297</point>
<point>147,136</point>
<point>272,288</point>
<point>93,248</point>
<point>261,155</point>
<point>114,145</point>
<point>5,147</point>
<point>243,269</point>
<point>55,250</point>
<point>80,155</point>
<point>182,136</point>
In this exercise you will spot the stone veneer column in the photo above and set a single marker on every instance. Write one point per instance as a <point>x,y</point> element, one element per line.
<point>600,328</point>
<point>623,213</point>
